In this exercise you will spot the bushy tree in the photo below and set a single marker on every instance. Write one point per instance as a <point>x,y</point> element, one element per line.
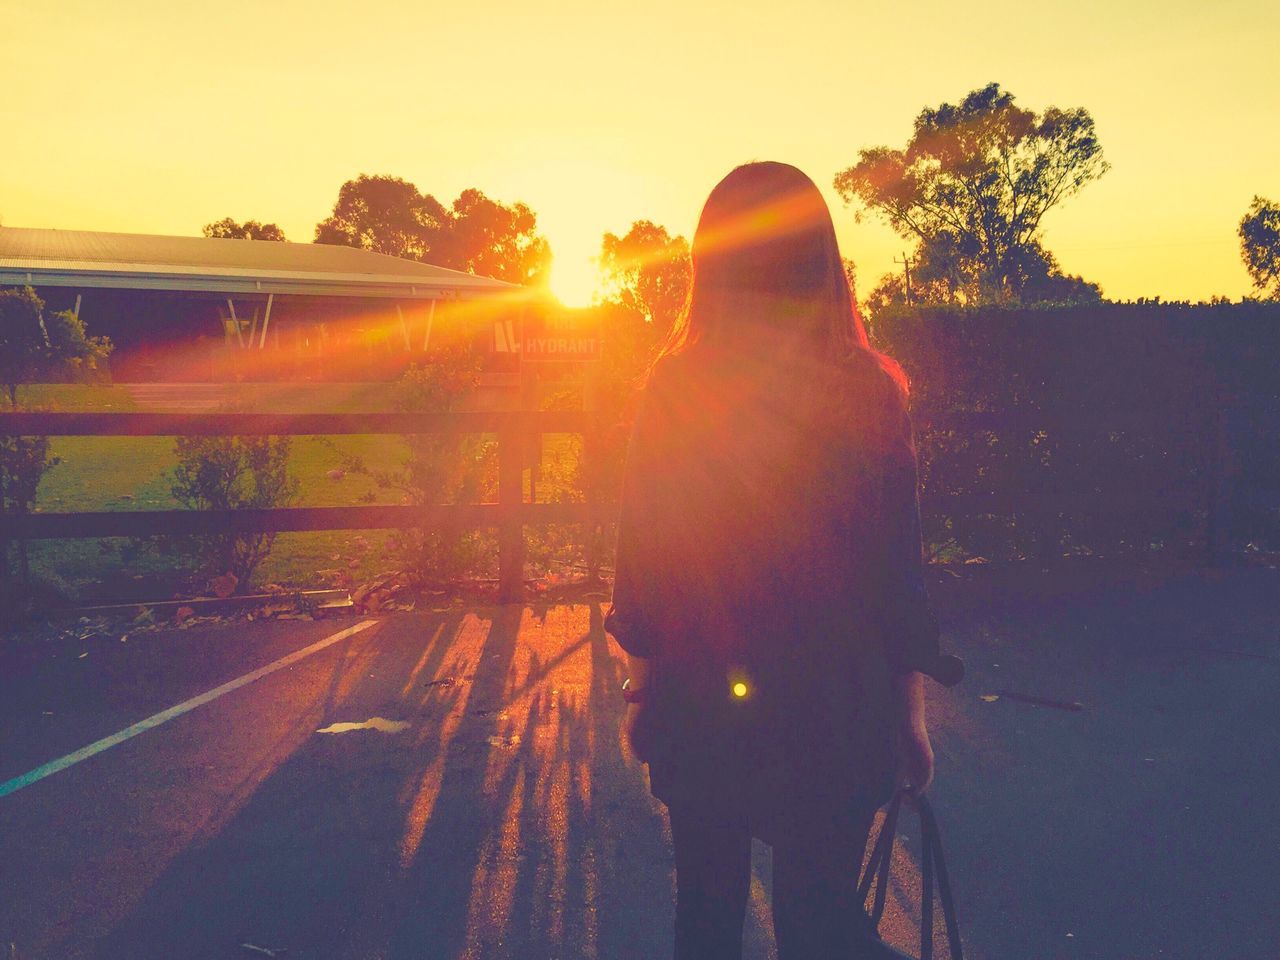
<point>228,229</point>
<point>383,214</point>
<point>475,234</point>
<point>74,356</point>
<point>1259,233</point>
<point>492,239</point>
<point>34,346</point>
<point>649,271</point>
<point>971,189</point>
<point>24,341</point>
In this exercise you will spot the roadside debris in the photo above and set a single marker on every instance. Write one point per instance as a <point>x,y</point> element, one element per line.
<point>443,682</point>
<point>264,951</point>
<point>382,593</point>
<point>381,724</point>
<point>1072,705</point>
<point>224,586</point>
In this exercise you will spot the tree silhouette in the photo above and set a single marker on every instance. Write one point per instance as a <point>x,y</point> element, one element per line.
<point>228,229</point>
<point>1260,245</point>
<point>972,186</point>
<point>476,234</point>
<point>647,270</point>
<point>489,238</point>
<point>386,215</point>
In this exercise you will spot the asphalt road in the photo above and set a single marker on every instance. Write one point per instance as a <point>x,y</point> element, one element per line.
<point>497,813</point>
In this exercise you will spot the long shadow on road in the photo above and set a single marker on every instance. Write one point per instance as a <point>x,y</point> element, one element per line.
<point>504,821</point>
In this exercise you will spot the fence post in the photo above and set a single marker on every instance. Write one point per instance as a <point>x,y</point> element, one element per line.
<point>511,525</point>
<point>589,471</point>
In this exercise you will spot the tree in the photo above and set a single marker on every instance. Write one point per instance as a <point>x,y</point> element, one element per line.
<point>228,229</point>
<point>476,234</point>
<point>32,346</point>
<point>489,238</point>
<point>386,215</point>
<point>972,187</point>
<point>1260,245</point>
<point>851,274</point>
<point>24,341</point>
<point>649,271</point>
<point>36,346</point>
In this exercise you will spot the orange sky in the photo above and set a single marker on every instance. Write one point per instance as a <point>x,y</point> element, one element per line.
<point>160,116</point>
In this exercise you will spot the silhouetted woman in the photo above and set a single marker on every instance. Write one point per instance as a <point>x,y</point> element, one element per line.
<point>769,589</point>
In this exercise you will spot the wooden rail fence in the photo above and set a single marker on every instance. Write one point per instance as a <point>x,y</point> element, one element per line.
<point>509,515</point>
<point>1214,495</point>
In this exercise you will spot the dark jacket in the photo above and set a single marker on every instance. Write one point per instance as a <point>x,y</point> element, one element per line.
<point>770,536</point>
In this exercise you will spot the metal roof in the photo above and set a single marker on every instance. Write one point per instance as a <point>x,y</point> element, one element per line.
<point>135,261</point>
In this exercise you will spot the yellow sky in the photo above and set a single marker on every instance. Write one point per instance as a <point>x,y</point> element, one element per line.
<point>161,116</point>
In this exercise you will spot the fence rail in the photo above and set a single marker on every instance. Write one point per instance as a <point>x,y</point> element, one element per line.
<point>26,423</point>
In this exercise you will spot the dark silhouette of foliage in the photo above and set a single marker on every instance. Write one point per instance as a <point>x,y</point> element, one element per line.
<point>1260,245</point>
<point>491,239</point>
<point>971,188</point>
<point>1088,429</point>
<point>24,342</point>
<point>383,214</point>
<point>476,234</point>
<point>649,271</point>
<point>36,346</point>
<point>228,229</point>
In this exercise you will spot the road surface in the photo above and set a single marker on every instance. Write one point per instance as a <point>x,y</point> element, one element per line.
<point>452,784</point>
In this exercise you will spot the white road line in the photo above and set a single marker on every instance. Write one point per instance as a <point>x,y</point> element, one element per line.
<point>53,766</point>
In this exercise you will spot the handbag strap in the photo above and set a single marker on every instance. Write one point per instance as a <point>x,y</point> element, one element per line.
<point>929,829</point>
<point>933,870</point>
<point>877,868</point>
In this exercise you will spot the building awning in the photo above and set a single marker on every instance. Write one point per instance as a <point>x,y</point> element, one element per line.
<point>131,261</point>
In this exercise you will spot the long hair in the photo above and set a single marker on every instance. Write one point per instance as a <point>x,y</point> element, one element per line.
<point>755,470</point>
<point>765,239</point>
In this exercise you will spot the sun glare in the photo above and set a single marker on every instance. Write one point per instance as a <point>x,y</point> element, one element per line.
<point>575,280</point>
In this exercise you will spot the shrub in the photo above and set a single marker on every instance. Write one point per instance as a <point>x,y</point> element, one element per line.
<point>231,473</point>
<point>441,469</point>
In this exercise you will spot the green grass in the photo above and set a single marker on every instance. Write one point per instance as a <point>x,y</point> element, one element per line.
<point>276,397</point>
<point>136,473</point>
<point>74,396</point>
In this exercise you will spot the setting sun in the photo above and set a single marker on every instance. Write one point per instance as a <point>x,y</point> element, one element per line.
<point>575,280</point>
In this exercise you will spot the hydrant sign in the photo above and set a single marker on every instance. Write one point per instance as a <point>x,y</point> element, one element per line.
<point>557,340</point>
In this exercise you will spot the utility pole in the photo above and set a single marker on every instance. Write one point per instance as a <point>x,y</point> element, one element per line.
<point>906,269</point>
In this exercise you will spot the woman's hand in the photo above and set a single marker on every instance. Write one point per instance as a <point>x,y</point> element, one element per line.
<point>916,766</point>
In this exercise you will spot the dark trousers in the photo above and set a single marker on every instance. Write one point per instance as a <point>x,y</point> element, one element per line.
<point>815,910</point>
